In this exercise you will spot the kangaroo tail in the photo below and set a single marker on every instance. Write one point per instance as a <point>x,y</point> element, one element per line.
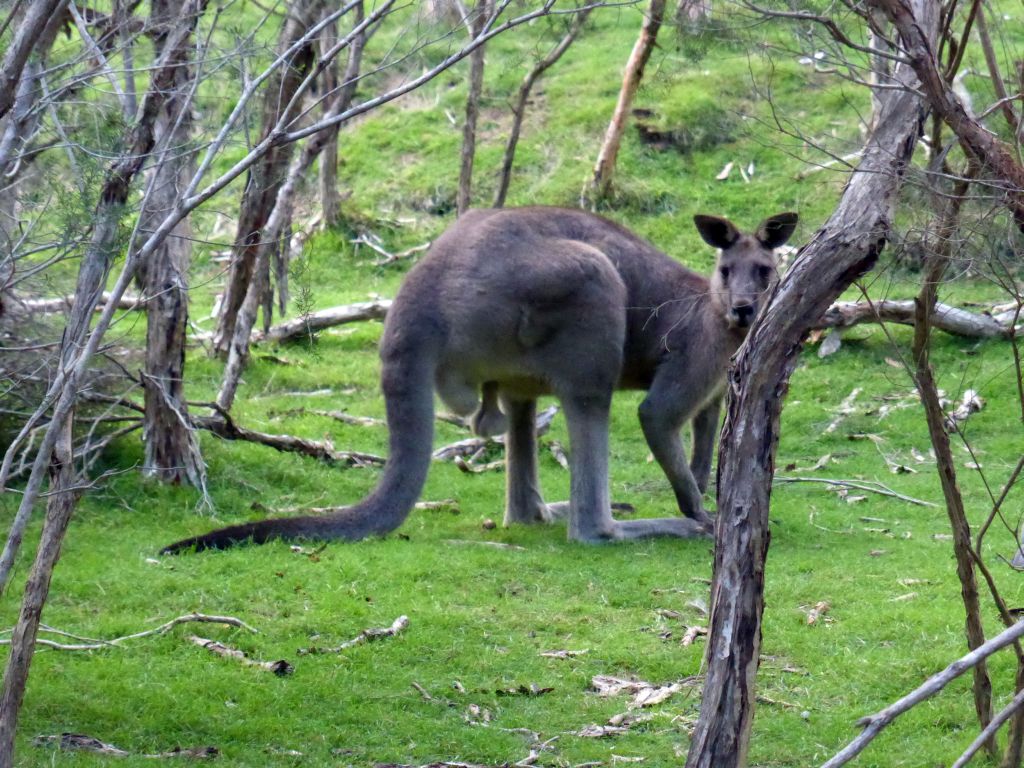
<point>408,383</point>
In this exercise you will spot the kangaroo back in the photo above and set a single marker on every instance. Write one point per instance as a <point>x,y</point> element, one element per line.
<point>408,366</point>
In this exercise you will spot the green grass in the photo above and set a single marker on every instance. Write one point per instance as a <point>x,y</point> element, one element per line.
<point>481,615</point>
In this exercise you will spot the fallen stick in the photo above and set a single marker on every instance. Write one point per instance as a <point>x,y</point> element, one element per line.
<point>472,445</point>
<point>71,742</point>
<point>874,724</point>
<point>95,645</point>
<point>279,667</point>
<point>366,636</point>
<point>861,485</point>
<point>223,426</point>
<point>844,410</point>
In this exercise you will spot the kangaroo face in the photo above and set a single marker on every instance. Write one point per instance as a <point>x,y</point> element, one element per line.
<point>746,267</point>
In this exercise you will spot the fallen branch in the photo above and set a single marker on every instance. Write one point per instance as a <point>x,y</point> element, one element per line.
<point>473,445</point>
<point>344,418</point>
<point>366,636</point>
<point>475,469</point>
<point>861,485</point>
<point>78,742</point>
<point>224,426</point>
<point>873,724</point>
<point>95,645</point>
<point>279,667</point>
<point>389,258</point>
<point>63,303</point>
<point>323,319</point>
<point>959,322</point>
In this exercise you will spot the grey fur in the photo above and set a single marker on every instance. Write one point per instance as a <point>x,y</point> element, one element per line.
<point>513,304</point>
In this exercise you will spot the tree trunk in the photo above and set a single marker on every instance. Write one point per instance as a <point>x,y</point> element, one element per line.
<point>38,14</point>
<point>464,198</point>
<point>519,109</point>
<point>77,345</point>
<point>59,506</point>
<point>268,173</point>
<point>172,450</point>
<point>991,153</point>
<point>604,169</point>
<point>925,304</point>
<point>847,246</point>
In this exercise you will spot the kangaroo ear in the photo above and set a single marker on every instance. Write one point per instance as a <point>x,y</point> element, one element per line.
<point>776,230</point>
<point>716,231</point>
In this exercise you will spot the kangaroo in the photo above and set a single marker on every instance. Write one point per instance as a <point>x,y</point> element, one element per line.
<point>512,304</point>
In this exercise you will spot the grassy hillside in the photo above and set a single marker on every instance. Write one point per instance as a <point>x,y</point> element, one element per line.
<point>480,614</point>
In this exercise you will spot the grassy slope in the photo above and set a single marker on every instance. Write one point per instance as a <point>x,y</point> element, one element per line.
<point>480,615</point>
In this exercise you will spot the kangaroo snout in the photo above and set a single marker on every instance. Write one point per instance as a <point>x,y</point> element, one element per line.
<point>742,315</point>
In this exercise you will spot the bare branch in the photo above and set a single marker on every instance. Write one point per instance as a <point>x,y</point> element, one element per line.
<point>874,724</point>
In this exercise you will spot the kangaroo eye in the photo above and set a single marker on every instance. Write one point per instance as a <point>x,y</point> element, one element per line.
<point>764,272</point>
<point>725,273</point>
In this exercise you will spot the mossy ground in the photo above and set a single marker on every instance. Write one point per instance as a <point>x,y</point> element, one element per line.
<point>480,615</point>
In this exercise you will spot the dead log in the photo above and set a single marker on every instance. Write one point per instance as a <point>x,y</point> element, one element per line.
<point>64,303</point>
<point>959,322</point>
<point>874,724</point>
<point>325,318</point>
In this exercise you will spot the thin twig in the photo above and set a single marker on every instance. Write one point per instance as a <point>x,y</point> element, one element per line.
<point>366,636</point>
<point>861,485</point>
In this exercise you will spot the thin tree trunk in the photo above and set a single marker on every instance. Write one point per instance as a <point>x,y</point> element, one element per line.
<point>935,268</point>
<point>268,174</point>
<point>604,169</point>
<point>464,198</point>
<point>519,108</point>
<point>991,153</point>
<point>274,238</point>
<point>92,275</point>
<point>847,246</point>
<point>172,450</point>
<point>38,14</point>
<point>59,507</point>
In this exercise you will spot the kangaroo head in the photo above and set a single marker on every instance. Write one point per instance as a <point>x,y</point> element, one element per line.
<point>746,264</point>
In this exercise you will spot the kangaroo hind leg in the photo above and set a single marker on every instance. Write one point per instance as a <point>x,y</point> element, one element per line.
<point>523,500</point>
<point>488,420</point>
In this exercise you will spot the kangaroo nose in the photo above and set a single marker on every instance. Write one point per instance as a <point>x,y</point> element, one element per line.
<point>744,313</point>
